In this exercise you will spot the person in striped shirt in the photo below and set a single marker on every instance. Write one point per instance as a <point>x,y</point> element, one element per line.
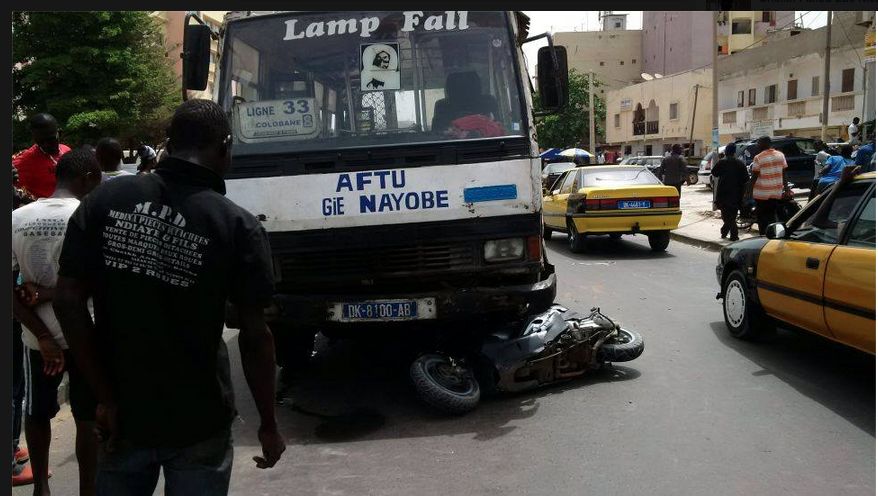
<point>768,176</point>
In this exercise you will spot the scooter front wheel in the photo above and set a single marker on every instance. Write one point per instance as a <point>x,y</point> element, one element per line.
<point>626,346</point>
<point>444,384</point>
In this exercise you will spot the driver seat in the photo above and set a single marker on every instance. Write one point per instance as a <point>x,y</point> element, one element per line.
<point>463,97</point>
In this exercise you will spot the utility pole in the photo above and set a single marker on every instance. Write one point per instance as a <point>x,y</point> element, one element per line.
<point>591,143</point>
<point>826,75</point>
<point>665,44</point>
<point>692,127</point>
<point>715,68</point>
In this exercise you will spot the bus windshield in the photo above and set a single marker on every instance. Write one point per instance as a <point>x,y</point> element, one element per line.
<point>302,82</point>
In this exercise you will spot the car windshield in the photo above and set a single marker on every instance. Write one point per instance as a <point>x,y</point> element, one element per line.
<point>619,177</point>
<point>356,79</point>
<point>558,167</point>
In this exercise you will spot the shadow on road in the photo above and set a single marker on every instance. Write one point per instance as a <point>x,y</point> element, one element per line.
<point>604,248</point>
<point>839,378</point>
<point>358,391</point>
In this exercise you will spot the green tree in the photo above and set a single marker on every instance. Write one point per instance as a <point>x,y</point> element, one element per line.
<point>99,73</point>
<point>570,126</point>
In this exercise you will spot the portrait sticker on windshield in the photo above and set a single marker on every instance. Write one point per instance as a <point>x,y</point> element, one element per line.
<point>379,66</point>
<point>269,119</point>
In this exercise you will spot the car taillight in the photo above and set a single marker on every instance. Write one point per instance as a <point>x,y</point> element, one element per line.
<point>592,204</point>
<point>666,202</point>
<point>534,248</point>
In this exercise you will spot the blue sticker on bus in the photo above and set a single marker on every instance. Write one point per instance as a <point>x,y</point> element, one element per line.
<point>490,193</point>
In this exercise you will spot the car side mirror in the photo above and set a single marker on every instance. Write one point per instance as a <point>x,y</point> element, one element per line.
<point>776,231</point>
<point>553,78</point>
<point>196,56</point>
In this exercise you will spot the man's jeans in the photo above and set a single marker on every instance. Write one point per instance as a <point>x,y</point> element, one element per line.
<point>766,214</point>
<point>203,468</point>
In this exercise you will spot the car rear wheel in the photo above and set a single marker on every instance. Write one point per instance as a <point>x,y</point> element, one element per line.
<point>744,318</point>
<point>659,240</point>
<point>575,241</point>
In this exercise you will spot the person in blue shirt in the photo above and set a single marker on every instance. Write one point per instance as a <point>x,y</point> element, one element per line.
<point>865,153</point>
<point>834,166</point>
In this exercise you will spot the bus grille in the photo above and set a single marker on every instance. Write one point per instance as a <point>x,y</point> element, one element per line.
<point>372,263</point>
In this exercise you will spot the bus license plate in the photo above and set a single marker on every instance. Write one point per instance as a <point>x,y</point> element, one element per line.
<point>383,310</point>
<point>623,205</point>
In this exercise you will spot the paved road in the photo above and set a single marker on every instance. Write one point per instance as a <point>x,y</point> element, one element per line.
<point>697,413</point>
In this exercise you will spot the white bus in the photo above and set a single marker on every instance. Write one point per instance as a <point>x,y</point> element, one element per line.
<point>391,157</point>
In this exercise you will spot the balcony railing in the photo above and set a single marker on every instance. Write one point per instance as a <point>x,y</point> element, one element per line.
<point>760,114</point>
<point>639,128</point>
<point>795,109</point>
<point>652,127</point>
<point>844,102</point>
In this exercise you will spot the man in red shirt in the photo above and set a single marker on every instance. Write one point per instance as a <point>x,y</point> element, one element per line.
<point>36,166</point>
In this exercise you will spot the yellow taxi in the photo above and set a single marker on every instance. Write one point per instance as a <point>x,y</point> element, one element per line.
<point>816,272</point>
<point>614,200</point>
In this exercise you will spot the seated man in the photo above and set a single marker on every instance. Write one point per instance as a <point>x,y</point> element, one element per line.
<point>463,97</point>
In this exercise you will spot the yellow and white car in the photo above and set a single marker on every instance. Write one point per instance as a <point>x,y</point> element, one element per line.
<point>816,272</point>
<point>614,200</point>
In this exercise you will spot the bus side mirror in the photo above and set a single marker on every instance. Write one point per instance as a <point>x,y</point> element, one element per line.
<point>196,56</point>
<point>552,78</point>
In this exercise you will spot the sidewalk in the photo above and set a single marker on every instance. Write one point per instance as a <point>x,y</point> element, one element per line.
<point>700,225</point>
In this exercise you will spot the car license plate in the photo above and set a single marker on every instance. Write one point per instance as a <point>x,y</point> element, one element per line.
<point>634,204</point>
<point>383,310</point>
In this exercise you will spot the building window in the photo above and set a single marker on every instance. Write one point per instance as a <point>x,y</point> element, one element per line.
<point>672,112</point>
<point>771,93</point>
<point>815,85</point>
<point>741,98</point>
<point>751,97</point>
<point>602,63</point>
<point>618,25</point>
<point>766,16</point>
<point>628,150</point>
<point>847,80</point>
<point>633,61</point>
<point>741,26</point>
<point>730,118</point>
<point>621,62</point>
<point>792,89</point>
<point>616,121</point>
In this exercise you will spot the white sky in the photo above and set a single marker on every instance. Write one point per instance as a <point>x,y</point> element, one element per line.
<point>554,21</point>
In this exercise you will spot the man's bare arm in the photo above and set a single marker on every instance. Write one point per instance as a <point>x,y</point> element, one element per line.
<point>257,359</point>
<point>53,356</point>
<point>71,309</point>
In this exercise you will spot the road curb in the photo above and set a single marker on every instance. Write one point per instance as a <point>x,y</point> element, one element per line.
<point>700,243</point>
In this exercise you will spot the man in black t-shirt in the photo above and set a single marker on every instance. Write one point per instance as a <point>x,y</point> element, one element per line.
<point>161,254</point>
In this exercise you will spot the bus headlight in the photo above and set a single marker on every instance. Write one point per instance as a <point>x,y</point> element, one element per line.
<point>504,250</point>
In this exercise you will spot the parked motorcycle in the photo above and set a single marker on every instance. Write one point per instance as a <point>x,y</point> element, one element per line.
<point>787,207</point>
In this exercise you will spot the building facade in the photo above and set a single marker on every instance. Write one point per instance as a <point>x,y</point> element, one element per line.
<point>676,41</point>
<point>777,89</point>
<point>172,24</point>
<point>649,117</point>
<point>614,56</point>
<point>737,30</point>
